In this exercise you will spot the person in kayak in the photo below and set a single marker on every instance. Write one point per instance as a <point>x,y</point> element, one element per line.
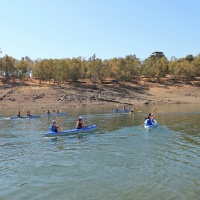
<point>79,123</point>
<point>133,110</point>
<point>19,114</point>
<point>28,114</point>
<point>54,127</point>
<point>148,121</point>
<point>58,111</point>
<point>48,112</point>
<point>152,117</point>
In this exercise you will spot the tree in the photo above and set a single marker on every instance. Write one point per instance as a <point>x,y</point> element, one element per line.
<point>21,69</point>
<point>189,58</point>
<point>155,67</point>
<point>8,67</point>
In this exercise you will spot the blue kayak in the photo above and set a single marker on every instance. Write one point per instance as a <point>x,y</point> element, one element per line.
<point>121,111</point>
<point>56,114</point>
<point>154,124</point>
<point>25,117</point>
<point>72,131</point>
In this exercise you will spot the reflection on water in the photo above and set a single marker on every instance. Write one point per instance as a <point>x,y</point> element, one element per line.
<point>121,160</point>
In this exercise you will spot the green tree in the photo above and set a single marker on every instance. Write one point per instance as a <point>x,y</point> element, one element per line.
<point>155,68</point>
<point>8,67</point>
<point>21,69</point>
<point>189,58</point>
<point>197,64</point>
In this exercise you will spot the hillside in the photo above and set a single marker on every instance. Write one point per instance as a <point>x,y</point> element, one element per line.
<point>31,93</point>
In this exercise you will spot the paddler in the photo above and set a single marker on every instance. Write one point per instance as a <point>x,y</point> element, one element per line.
<point>79,123</point>
<point>54,127</point>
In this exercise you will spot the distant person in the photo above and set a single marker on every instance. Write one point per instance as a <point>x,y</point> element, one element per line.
<point>133,110</point>
<point>48,112</point>
<point>28,114</point>
<point>19,114</point>
<point>79,123</point>
<point>116,110</point>
<point>54,127</point>
<point>58,111</point>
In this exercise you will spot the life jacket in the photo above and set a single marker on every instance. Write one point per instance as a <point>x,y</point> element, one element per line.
<point>149,122</point>
<point>52,129</point>
<point>80,125</point>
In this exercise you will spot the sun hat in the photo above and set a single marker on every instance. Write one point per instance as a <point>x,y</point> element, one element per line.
<point>54,122</point>
<point>80,117</point>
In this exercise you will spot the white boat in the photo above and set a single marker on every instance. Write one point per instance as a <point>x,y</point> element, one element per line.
<point>154,124</point>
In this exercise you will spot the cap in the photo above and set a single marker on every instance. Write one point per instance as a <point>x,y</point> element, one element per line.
<point>54,122</point>
<point>80,117</point>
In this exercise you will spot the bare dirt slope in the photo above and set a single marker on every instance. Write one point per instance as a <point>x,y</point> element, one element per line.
<point>32,93</point>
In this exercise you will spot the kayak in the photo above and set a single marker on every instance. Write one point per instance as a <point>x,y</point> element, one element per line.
<point>121,111</point>
<point>72,131</point>
<point>55,114</point>
<point>135,112</point>
<point>25,117</point>
<point>154,124</point>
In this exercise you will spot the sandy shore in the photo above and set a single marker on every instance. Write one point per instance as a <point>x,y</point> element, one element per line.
<point>47,96</point>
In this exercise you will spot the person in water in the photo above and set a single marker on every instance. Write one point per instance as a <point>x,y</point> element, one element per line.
<point>19,114</point>
<point>54,127</point>
<point>79,123</point>
<point>28,114</point>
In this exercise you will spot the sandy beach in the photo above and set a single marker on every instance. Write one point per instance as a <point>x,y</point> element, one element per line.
<point>47,96</point>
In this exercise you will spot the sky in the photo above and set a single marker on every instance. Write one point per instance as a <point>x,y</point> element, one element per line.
<point>50,29</point>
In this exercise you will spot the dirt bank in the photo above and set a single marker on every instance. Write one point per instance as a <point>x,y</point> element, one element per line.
<point>86,94</point>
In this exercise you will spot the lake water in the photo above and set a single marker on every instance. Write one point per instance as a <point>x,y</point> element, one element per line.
<point>121,160</point>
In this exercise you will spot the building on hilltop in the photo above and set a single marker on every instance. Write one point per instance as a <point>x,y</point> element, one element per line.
<point>157,54</point>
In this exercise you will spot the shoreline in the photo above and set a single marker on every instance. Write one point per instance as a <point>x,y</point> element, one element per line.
<point>87,95</point>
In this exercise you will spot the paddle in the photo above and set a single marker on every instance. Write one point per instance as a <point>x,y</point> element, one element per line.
<point>32,112</point>
<point>22,111</point>
<point>85,122</point>
<point>60,120</point>
<point>154,112</point>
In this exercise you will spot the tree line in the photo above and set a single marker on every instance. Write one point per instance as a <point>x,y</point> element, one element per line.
<point>97,70</point>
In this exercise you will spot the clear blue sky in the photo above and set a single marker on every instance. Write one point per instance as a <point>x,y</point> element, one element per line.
<point>107,28</point>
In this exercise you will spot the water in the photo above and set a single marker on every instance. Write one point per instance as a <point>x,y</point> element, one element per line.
<point>121,160</point>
